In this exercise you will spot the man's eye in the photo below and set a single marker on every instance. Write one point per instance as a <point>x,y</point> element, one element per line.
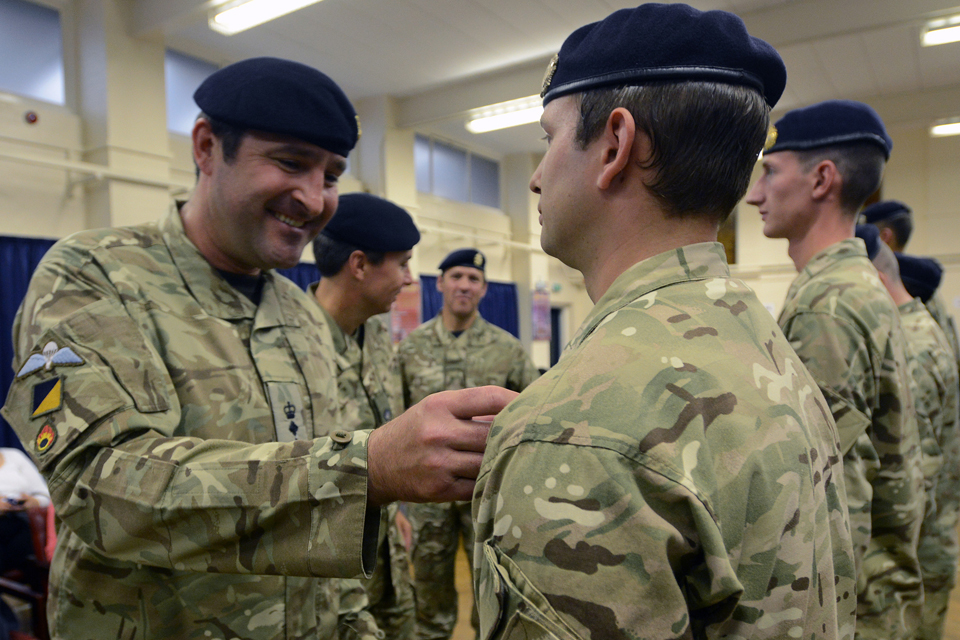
<point>290,165</point>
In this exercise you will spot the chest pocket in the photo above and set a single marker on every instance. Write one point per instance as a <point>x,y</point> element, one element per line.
<point>285,386</point>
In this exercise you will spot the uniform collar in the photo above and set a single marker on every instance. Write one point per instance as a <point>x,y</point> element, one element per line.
<point>912,306</point>
<point>210,290</point>
<point>827,258</point>
<point>642,280</point>
<point>446,336</point>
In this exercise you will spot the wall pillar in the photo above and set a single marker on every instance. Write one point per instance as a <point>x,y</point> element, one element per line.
<point>121,99</point>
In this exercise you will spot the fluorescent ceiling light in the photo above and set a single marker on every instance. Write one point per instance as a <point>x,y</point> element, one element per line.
<point>951,128</point>
<point>941,32</point>
<point>505,114</point>
<point>235,17</point>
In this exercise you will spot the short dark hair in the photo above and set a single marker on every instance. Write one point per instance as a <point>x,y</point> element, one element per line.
<point>901,225</point>
<point>705,138</point>
<point>860,164</point>
<point>332,254</point>
<point>230,138</point>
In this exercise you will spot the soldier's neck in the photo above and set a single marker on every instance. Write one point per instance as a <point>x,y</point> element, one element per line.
<point>826,230</point>
<point>455,323</point>
<point>344,312</point>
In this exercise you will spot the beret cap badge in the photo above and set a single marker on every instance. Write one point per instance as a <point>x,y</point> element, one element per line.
<point>771,138</point>
<point>548,76</point>
<point>478,259</point>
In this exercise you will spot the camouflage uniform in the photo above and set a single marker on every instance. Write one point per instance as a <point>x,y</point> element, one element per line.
<point>370,396</point>
<point>935,371</point>
<point>846,330</point>
<point>432,359</point>
<point>675,475</point>
<point>938,309</point>
<point>171,419</point>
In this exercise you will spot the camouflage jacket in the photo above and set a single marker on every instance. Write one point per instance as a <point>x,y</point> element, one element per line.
<point>370,396</point>
<point>432,359</point>
<point>846,329</point>
<point>174,421</point>
<point>935,371</point>
<point>675,475</point>
<point>938,309</point>
<point>368,378</point>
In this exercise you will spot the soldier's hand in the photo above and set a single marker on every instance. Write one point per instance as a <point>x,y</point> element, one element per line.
<point>432,452</point>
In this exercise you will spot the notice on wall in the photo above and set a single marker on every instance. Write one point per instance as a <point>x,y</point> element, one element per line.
<point>540,301</point>
<point>405,312</point>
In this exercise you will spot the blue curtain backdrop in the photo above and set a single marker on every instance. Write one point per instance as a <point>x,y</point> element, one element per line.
<point>499,306</point>
<point>18,259</point>
<point>20,256</point>
<point>303,275</point>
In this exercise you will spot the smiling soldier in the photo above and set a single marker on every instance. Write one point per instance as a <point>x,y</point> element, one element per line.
<point>176,393</point>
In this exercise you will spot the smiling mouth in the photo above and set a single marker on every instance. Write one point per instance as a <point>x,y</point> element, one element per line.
<point>296,224</point>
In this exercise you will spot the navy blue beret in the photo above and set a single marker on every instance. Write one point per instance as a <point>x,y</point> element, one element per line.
<point>921,276</point>
<point>664,42</point>
<point>880,211</point>
<point>284,97</point>
<point>372,224</point>
<point>871,238</point>
<point>464,258</point>
<point>830,123</point>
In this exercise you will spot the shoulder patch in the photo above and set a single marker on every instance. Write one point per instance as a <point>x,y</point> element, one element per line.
<point>46,438</point>
<point>49,357</point>
<point>47,396</point>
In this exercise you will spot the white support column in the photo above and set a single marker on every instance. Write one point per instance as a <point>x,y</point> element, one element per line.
<point>121,100</point>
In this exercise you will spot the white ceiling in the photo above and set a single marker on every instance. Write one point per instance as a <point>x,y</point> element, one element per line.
<point>439,58</point>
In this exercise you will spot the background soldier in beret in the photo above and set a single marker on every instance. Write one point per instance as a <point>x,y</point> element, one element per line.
<point>363,255</point>
<point>895,222</point>
<point>175,393</point>
<point>457,349</point>
<point>676,474</point>
<point>828,158</point>
<point>937,398</point>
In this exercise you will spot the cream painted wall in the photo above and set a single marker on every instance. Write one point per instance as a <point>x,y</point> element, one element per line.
<point>38,201</point>
<point>53,202</point>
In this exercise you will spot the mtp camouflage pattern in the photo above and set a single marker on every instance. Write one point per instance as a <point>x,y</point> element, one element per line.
<point>846,329</point>
<point>371,394</point>
<point>675,475</point>
<point>934,369</point>
<point>938,309</point>
<point>193,497</point>
<point>432,359</point>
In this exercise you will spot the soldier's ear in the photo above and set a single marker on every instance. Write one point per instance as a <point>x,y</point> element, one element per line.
<point>357,263</point>
<point>825,178</point>
<point>618,144</point>
<point>204,143</point>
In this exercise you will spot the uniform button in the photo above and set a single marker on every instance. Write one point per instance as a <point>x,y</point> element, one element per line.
<point>341,437</point>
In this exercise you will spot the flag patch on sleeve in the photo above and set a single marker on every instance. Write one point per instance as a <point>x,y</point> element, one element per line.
<point>47,396</point>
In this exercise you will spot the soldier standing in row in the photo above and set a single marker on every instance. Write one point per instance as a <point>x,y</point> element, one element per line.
<point>934,371</point>
<point>363,256</point>
<point>677,473</point>
<point>457,349</point>
<point>895,223</point>
<point>827,160</point>
<point>174,392</point>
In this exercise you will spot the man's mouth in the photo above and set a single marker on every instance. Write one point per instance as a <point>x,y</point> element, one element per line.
<point>296,224</point>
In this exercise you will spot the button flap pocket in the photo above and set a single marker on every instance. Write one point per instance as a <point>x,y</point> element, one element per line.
<point>510,607</point>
